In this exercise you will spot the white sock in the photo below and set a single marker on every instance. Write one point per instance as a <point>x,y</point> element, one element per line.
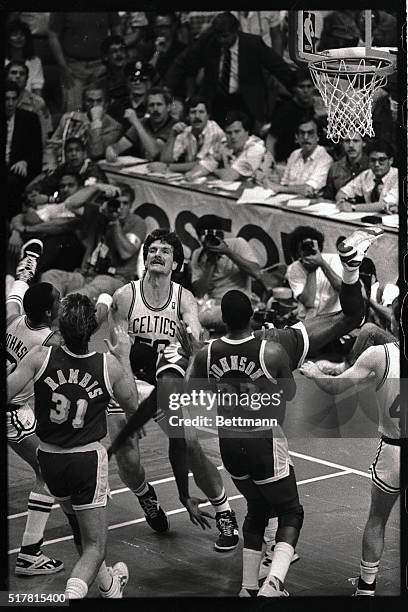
<point>350,277</point>
<point>104,577</point>
<point>76,588</point>
<point>270,533</point>
<point>142,490</point>
<point>282,556</point>
<point>39,508</point>
<point>17,293</point>
<point>251,560</point>
<point>369,571</point>
<point>221,503</point>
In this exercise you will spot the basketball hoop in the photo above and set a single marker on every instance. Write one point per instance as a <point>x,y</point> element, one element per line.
<point>347,80</point>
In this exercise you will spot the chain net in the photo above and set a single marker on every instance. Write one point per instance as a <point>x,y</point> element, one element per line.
<point>347,87</point>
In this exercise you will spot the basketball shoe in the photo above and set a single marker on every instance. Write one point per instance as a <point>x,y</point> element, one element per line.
<point>35,565</point>
<point>155,515</point>
<point>353,249</point>
<point>267,560</point>
<point>272,587</point>
<point>120,577</point>
<point>31,251</point>
<point>244,592</point>
<point>228,528</point>
<point>364,589</point>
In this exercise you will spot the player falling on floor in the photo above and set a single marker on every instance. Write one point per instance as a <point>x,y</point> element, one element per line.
<point>72,389</point>
<point>298,341</point>
<point>29,313</point>
<point>383,363</point>
<point>152,309</point>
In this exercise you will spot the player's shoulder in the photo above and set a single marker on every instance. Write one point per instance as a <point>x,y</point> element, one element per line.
<point>123,295</point>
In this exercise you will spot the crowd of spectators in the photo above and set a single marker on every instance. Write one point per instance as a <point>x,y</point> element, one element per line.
<point>201,93</point>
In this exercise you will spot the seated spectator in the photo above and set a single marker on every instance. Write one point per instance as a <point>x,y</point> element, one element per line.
<point>385,113</point>
<point>307,168</point>
<point>18,72</point>
<point>239,158</point>
<point>347,167</point>
<point>42,188</point>
<point>146,137</point>
<point>23,148</point>
<point>166,46</point>
<point>93,125</point>
<point>281,139</point>
<point>138,36</point>
<point>314,277</point>
<point>62,247</point>
<point>340,29</point>
<point>218,266</point>
<point>232,80</point>
<point>187,145</point>
<point>139,76</point>
<point>177,109</point>
<point>376,187</point>
<point>113,80</point>
<point>19,46</point>
<point>113,245</point>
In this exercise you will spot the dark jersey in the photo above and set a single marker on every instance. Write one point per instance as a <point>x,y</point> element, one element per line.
<point>71,394</point>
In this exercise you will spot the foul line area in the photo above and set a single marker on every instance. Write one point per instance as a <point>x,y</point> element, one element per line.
<point>342,471</point>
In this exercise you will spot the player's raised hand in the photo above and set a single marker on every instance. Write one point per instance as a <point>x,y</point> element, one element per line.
<point>121,348</point>
<point>311,370</point>
<point>197,516</point>
<point>189,345</point>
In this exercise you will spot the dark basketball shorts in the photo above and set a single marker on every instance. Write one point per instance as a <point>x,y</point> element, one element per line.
<point>78,476</point>
<point>20,422</point>
<point>262,459</point>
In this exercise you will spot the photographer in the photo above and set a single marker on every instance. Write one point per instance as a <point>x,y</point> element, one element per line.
<point>114,237</point>
<point>218,266</point>
<point>315,278</point>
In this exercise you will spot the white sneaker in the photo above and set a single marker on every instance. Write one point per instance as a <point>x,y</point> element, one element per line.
<point>120,576</point>
<point>267,560</point>
<point>244,592</point>
<point>353,249</point>
<point>272,587</point>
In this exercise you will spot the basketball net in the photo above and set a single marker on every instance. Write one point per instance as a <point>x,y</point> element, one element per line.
<point>347,87</point>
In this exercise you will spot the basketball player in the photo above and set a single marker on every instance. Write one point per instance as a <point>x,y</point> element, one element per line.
<point>72,389</point>
<point>152,309</point>
<point>383,363</point>
<point>24,331</point>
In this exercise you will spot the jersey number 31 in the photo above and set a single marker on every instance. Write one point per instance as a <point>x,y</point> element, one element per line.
<point>60,412</point>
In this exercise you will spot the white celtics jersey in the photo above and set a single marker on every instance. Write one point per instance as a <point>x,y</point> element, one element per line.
<point>21,337</point>
<point>388,393</point>
<point>154,326</point>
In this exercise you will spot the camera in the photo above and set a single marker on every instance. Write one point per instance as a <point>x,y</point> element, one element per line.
<point>308,247</point>
<point>211,238</point>
<point>113,204</point>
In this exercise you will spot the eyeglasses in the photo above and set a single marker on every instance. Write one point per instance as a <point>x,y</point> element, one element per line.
<point>378,160</point>
<point>137,79</point>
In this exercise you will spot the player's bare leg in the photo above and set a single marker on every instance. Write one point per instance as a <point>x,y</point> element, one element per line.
<point>373,539</point>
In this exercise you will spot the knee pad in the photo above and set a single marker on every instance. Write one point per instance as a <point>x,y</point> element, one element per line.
<point>73,521</point>
<point>256,518</point>
<point>292,518</point>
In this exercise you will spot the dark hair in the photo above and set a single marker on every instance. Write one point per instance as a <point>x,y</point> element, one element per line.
<point>111,40</point>
<point>68,172</point>
<point>12,86</point>
<point>95,86</point>
<point>225,22</point>
<point>37,300</point>
<point>232,116</point>
<point>308,117</point>
<point>162,91</point>
<point>126,189</point>
<point>300,233</point>
<point>17,63</point>
<point>380,146</point>
<point>236,310</point>
<point>195,101</point>
<point>75,140</point>
<point>16,25</point>
<point>302,74</point>
<point>208,222</point>
<point>77,321</point>
<point>164,235</point>
<point>172,16</point>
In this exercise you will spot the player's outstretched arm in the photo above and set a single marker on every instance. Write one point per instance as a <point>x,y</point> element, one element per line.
<point>189,312</point>
<point>120,372</point>
<point>25,371</point>
<point>118,312</point>
<point>365,368</point>
<point>277,360</point>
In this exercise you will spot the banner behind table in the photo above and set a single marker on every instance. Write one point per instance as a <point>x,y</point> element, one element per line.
<point>266,228</point>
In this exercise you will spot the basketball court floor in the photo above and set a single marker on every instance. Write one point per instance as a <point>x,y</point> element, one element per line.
<point>334,488</point>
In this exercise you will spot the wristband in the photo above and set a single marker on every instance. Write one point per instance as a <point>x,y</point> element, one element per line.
<point>97,124</point>
<point>353,208</point>
<point>106,299</point>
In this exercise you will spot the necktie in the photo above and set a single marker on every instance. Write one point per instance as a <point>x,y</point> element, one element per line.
<point>225,72</point>
<point>376,192</point>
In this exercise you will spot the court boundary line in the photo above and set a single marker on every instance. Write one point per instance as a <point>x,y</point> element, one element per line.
<point>344,472</point>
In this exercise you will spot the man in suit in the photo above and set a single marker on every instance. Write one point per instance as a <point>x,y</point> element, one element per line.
<point>234,69</point>
<point>23,147</point>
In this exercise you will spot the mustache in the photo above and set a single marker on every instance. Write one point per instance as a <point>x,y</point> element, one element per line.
<point>158,260</point>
